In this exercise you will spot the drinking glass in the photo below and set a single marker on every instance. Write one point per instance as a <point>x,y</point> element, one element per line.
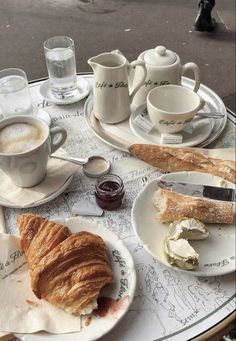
<point>60,59</point>
<point>14,93</point>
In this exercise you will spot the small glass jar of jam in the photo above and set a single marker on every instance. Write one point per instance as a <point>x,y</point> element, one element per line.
<point>109,191</point>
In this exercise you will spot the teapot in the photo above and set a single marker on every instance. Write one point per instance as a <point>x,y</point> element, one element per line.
<point>163,67</point>
<point>113,83</point>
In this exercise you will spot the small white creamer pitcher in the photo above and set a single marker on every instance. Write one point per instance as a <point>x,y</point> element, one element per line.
<point>112,85</point>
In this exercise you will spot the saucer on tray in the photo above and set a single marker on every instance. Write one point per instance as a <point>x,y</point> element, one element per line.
<point>201,129</point>
<point>83,91</point>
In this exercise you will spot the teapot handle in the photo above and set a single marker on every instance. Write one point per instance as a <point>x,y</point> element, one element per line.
<point>133,65</point>
<point>193,67</point>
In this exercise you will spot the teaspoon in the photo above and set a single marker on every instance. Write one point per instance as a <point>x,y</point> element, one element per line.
<point>78,161</point>
<point>215,114</point>
<point>94,166</point>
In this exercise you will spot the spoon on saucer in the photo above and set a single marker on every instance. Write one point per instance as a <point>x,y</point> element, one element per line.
<point>94,166</point>
<point>214,114</point>
<point>77,160</point>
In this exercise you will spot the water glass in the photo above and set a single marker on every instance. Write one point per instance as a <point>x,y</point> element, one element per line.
<point>60,59</point>
<point>14,93</point>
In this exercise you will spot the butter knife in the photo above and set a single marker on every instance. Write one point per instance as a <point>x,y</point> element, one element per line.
<point>201,191</point>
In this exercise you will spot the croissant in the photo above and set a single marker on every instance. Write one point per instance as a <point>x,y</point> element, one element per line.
<point>68,270</point>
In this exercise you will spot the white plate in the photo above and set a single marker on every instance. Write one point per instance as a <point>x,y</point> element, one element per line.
<point>6,203</point>
<point>216,252</point>
<point>120,136</point>
<point>202,128</point>
<point>83,91</point>
<point>124,285</point>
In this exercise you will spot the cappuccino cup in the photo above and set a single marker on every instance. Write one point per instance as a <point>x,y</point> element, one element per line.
<point>172,107</point>
<point>26,143</point>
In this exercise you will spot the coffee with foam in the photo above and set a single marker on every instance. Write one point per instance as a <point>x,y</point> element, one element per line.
<point>20,137</point>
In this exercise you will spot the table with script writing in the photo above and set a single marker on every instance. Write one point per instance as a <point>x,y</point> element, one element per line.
<point>168,305</point>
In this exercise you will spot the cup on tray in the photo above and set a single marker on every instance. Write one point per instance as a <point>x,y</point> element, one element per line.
<point>14,93</point>
<point>172,107</point>
<point>61,65</point>
<point>26,143</point>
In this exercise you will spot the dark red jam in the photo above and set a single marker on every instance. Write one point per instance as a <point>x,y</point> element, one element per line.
<point>107,305</point>
<point>104,304</point>
<point>109,191</point>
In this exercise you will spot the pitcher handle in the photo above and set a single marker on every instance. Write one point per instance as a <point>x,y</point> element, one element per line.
<point>193,67</point>
<point>133,65</point>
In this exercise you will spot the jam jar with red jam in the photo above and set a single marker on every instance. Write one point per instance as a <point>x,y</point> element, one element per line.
<point>109,191</point>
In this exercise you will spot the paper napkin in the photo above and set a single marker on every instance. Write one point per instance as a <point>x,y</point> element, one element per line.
<point>20,310</point>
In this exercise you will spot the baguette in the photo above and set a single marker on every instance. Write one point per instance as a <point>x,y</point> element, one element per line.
<point>178,159</point>
<point>172,206</point>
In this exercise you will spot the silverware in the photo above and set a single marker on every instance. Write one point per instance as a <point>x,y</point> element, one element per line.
<point>214,114</point>
<point>202,191</point>
<point>94,166</point>
<point>78,161</point>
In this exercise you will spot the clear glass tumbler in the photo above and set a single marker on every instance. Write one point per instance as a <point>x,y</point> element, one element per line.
<point>60,59</point>
<point>14,93</point>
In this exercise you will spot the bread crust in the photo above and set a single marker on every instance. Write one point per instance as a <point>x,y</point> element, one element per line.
<point>172,206</point>
<point>179,159</point>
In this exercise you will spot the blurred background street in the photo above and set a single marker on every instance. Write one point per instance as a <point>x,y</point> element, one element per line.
<point>131,26</point>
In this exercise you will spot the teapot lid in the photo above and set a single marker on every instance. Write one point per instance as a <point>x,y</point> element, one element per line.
<point>160,56</point>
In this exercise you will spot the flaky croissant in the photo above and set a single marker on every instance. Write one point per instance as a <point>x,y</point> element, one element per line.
<point>68,270</point>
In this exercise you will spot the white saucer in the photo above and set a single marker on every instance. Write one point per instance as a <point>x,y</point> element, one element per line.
<point>202,128</point>
<point>83,91</point>
<point>4,202</point>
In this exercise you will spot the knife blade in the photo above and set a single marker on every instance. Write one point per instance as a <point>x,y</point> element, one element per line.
<point>201,191</point>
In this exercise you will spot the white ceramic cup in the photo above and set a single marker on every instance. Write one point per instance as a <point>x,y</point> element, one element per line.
<point>172,107</point>
<point>28,168</point>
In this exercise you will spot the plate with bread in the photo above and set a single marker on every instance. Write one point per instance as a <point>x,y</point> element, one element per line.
<point>192,234</point>
<point>80,267</point>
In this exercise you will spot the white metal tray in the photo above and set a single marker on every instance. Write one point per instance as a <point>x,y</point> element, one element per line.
<point>121,137</point>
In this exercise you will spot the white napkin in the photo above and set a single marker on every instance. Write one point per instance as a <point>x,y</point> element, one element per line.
<point>20,310</point>
<point>58,171</point>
